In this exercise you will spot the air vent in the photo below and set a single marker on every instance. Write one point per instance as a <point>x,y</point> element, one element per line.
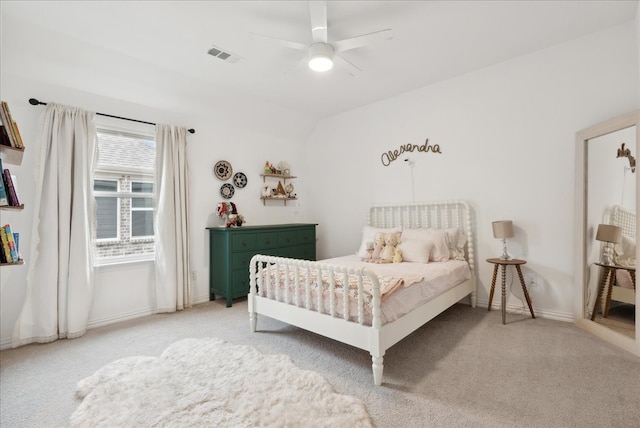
<point>223,54</point>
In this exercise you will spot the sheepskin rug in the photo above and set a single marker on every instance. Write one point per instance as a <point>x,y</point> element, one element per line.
<point>212,383</point>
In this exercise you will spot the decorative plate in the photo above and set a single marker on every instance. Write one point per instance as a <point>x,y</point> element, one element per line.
<point>240,180</point>
<point>227,190</point>
<point>223,170</point>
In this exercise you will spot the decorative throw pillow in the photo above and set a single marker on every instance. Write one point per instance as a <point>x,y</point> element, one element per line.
<point>369,234</point>
<point>439,239</point>
<point>415,250</point>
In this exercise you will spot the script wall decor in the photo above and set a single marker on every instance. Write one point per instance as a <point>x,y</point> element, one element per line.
<point>391,155</point>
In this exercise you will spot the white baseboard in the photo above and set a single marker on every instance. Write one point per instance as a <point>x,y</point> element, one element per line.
<point>519,309</point>
<point>513,309</point>
<point>124,316</point>
<point>135,314</point>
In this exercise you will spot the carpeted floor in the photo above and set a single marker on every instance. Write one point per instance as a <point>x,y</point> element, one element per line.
<point>463,369</point>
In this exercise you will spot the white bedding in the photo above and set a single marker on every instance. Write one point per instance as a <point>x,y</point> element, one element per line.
<point>420,283</point>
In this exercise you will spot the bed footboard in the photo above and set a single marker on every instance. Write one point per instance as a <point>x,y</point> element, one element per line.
<point>348,293</point>
<point>339,302</point>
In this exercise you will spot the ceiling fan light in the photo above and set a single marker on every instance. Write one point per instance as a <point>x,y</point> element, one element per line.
<point>320,63</point>
<point>320,57</point>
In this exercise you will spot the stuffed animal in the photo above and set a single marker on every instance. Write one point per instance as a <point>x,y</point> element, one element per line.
<point>397,256</point>
<point>378,246</point>
<point>390,243</point>
<point>369,252</point>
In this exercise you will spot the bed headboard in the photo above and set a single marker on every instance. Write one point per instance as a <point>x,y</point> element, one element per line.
<point>441,215</point>
<point>624,219</point>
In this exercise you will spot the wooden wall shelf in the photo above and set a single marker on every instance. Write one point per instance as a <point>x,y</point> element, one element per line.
<point>11,207</point>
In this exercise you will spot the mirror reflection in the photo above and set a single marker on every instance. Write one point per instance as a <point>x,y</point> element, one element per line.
<point>611,231</point>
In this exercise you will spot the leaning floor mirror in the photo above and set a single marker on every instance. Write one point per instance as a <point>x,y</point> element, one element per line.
<point>605,230</point>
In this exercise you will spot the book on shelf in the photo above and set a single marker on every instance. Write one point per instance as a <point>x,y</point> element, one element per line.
<point>10,189</point>
<point>4,137</point>
<point>4,248</point>
<point>4,200</point>
<point>13,251</point>
<point>16,238</point>
<point>11,126</point>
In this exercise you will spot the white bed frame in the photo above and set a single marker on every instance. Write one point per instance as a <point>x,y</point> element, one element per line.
<point>375,338</point>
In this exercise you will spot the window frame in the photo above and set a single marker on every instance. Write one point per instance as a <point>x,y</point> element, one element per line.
<point>119,127</point>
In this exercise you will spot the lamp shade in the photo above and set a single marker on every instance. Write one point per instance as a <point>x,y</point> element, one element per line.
<point>502,229</point>
<point>608,233</point>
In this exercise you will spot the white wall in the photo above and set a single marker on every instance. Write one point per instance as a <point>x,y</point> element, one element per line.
<point>507,138</point>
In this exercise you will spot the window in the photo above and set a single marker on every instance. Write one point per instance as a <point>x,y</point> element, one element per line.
<point>123,188</point>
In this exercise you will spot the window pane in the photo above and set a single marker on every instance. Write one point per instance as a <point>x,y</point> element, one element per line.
<point>142,223</point>
<point>141,203</point>
<point>107,218</point>
<point>105,185</point>
<point>141,187</point>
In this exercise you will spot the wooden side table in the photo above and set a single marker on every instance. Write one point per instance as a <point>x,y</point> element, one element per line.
<point>609,280</point>
<point>504,263</point>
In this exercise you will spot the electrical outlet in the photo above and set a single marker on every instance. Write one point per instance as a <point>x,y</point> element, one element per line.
<point>193,275</point>
<point>531,280</point>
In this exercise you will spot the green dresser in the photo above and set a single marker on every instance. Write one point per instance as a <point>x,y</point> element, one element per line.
<point>231,249</point>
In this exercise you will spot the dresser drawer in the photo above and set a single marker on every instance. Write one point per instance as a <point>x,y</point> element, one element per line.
<point>306,236</point>
<point>287,238</point>
<point>240,283</point>
<point>266,240</point>
<point>243,241</point>
<point>240,260</point>
<point>306,252</point>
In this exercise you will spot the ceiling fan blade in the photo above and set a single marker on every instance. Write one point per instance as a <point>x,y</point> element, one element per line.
<point>351,69</point>
<point>281,42</point>
<point>318,18</point>
<point>365,39</point>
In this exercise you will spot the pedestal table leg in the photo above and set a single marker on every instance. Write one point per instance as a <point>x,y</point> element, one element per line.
<point>524,289</point>
<point>493,285</point>
<point>504,294</point>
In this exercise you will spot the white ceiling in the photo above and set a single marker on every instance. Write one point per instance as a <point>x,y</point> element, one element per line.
<point>433,41</point>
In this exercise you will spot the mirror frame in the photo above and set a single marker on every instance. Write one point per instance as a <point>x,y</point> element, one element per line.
<point>580,233</point>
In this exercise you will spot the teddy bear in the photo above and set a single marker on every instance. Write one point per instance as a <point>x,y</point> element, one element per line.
<point>397,255</point>
<point>378,246</point>
<point>390,243</point>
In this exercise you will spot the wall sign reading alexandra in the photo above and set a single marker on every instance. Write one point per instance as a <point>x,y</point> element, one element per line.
<point>392,155</point>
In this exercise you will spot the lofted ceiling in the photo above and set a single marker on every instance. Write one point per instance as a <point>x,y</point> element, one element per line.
<point>432,41</point>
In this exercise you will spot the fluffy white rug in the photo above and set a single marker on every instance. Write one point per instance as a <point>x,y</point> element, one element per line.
<point>209,382</point>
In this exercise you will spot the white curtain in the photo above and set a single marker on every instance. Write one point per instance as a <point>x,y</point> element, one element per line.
<point>60,278</point>
<point>171,226</point>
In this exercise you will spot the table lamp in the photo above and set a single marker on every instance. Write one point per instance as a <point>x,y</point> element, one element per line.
<point>608,234</point>
<point>503,229</point>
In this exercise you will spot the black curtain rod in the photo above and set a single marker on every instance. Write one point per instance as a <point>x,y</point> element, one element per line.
<point>35,102</point>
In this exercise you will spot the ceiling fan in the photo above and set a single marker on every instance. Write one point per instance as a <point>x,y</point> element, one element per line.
<point>322,55</point>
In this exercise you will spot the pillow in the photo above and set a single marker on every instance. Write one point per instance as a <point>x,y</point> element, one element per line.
<point>416,250</point>
<point>456,240</point>
<point>623,279</point>
<point>368,235</point>
<point>626,249</point>
<point>456,244</point>
<point>438,238</point>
